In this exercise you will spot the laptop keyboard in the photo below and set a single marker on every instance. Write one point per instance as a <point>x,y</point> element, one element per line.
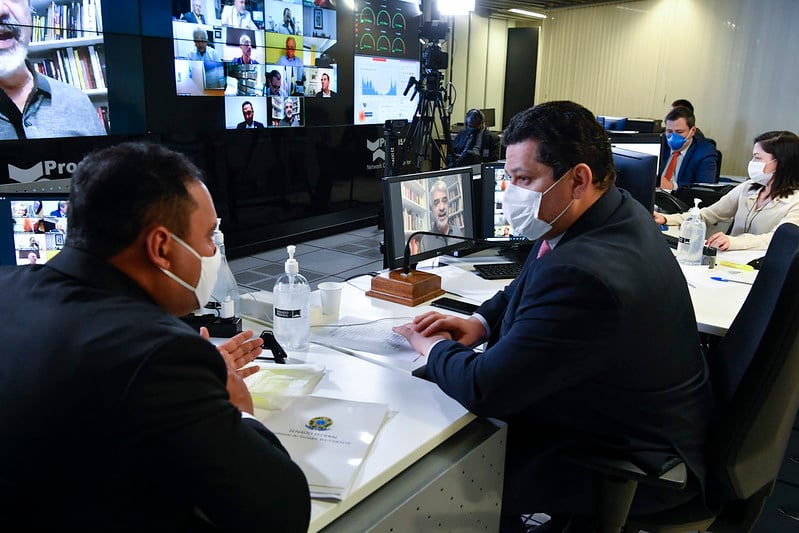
<point>671,240</point>
<point>499,270</point>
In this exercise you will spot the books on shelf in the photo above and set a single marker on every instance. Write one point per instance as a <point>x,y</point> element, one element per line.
<point>68,20</point>
<point>328,438</point>
<point>80,66</point>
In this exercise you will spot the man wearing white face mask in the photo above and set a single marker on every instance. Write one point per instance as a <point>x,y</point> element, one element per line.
<point>575,352</point>
<point>756,207</point>
<point>153,424</point>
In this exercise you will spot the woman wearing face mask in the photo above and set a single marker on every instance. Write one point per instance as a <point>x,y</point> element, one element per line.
<point>767,199</point>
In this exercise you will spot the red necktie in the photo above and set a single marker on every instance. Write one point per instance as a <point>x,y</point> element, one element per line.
<point>665,181</point>
<point>543,249</point>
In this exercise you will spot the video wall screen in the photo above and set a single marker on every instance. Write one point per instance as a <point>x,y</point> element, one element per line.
<point>279,63</point>
<point>56,52</point>
<point>96,66</point>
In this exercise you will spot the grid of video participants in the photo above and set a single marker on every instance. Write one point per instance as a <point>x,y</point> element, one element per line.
<point>265,57</point>
<point>40,227</point>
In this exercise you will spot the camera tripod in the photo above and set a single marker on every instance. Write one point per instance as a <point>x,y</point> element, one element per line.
<point>414,148</point>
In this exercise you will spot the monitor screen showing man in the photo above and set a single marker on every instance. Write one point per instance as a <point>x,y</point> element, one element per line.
<point>33,105</point>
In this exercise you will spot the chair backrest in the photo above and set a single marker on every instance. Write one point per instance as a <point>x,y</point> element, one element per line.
<point>718,165</point>
<point>755,375</point>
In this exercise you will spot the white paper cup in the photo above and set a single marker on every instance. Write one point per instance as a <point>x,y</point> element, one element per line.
<point>330,293</point>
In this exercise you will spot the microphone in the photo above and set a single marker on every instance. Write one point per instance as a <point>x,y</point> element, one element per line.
<point>406,258</point>
<point>411,82</point>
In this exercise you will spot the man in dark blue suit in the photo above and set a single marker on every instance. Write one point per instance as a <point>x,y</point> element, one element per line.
<point>578,352</point>
<point>688,158</point>
<point>194,16</point>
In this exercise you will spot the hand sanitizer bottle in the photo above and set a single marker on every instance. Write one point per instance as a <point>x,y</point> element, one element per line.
<point>291,300</point>
<point>226,291</point>
<point>692,237</point>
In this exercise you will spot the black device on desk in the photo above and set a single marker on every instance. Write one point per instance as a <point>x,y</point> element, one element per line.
<point>271,344</point>
<point>451,304</point>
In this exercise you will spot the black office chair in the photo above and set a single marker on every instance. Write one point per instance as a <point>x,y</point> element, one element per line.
<point>754,371</point>
<point>669,204</point>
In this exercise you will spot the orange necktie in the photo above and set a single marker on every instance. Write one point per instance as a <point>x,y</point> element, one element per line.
<point>543,249</point>
<point>665,181</point>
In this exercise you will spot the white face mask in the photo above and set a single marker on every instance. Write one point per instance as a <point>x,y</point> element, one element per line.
<point>521,208</point>
<point>209,268</point>
<point>756,173</point>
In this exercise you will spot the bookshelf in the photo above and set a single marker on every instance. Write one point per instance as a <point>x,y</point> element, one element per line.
<point>455,210</point>
<point>67,45</point>
<point>415,209</point>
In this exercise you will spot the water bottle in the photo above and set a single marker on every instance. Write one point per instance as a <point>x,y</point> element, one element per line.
<point>291,301</point>
<point>692,237</point>
<point>226,291</point>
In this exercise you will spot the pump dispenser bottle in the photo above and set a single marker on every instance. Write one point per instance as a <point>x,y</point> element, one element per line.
<point>226,291</point>
<point>692,237</point>
<point>292,308</point>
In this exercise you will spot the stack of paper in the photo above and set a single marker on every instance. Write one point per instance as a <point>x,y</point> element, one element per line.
<point>328,438</point>
<point>273,384</point>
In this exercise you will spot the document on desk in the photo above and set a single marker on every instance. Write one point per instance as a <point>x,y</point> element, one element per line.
<point>465,283</point>
<point>328,438</point>
<point>358,337</point>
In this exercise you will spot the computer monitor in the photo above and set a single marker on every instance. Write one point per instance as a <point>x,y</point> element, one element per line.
<point>613,123</point>
<point>423,202</point>
<point>494,224</point>
<point>649,144</point>
<point>636,172</point>
<point>33,226</point>
<point>489,117</point>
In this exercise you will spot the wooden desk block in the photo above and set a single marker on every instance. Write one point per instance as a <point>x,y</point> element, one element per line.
<point>407,289</point>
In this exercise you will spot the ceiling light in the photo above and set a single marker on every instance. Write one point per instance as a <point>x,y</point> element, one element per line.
<point>455,7</point>
<point>527,13</point>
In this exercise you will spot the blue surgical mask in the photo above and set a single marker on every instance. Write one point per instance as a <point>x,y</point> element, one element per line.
<point>675,141</point>
<point>473,130</point>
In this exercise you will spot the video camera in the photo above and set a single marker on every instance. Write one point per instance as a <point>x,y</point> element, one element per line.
<point>433,58</point>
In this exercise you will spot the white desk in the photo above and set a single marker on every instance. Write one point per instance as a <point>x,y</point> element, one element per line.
<point>425,418</point>
<point>422,419</point>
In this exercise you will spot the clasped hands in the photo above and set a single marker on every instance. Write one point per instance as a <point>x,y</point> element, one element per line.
<point>431,327</point>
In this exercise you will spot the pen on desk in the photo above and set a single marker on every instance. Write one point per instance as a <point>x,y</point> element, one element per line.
<point>717,278</point>
<point>739,266</point>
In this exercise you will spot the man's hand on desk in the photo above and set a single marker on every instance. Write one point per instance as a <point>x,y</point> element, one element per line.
<point>429,328</point>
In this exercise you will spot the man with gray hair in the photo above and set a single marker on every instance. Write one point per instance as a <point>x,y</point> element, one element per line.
<point>245,43</point>
<point>201,51</point>
<point>439,209</point>
<point>33,105</point>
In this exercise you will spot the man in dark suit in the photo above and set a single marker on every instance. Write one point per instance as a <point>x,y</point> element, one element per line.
<point>115,412</point>
<point>578,352</point>
<point>194,16</point>
<point>249,123</point>
<point>474,144</point>
<point>689,159</point>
